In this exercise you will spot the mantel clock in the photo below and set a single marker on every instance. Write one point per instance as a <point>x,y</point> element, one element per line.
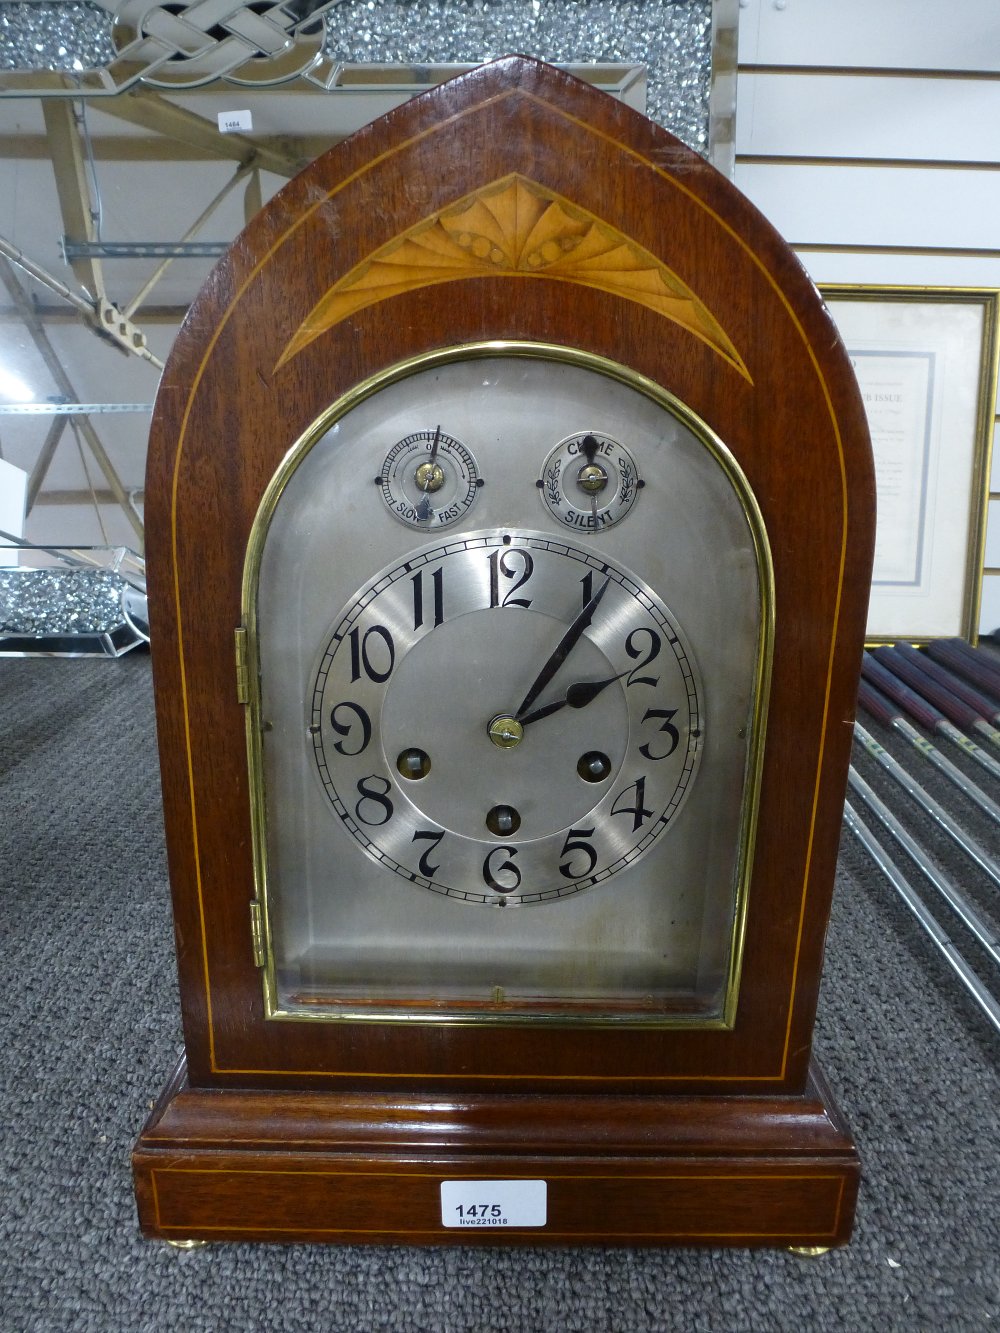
<point>520,462</point>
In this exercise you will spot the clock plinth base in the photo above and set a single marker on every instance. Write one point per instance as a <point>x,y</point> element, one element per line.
<point>233,1164</point>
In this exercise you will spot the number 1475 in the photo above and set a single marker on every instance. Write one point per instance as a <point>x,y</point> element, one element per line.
<point>479,1210</point>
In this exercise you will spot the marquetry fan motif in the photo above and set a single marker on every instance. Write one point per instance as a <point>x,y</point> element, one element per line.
<point>515,228</point>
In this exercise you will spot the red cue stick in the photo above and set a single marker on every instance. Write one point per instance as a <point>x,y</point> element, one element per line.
<point>923,712</point>
<point>884,711</point>
<point>976,666</point>
<point>984,706</point>
<point>961,713</point>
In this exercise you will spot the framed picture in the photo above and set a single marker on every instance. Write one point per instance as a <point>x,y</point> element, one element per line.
<point>926,362</point>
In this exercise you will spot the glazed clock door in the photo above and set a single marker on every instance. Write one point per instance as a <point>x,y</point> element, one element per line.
<point>509,613</point>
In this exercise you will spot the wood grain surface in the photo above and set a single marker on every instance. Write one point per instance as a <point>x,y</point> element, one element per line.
<point>283,327</point>
<point>286,1166</point>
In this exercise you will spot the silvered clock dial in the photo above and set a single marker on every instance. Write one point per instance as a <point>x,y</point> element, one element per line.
<point>506,718</point>
<point>533,707</point>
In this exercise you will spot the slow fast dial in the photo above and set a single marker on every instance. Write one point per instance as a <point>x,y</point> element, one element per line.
<point>429,479</point>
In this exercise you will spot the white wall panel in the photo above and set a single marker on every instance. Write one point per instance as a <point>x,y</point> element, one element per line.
<point>993,535</point>
<point>906,270</point>
<point>783,112</point>
<point>989,619</point>
<point>13,487</point>
<point>58,524</point>
<point>843,116</point>
<point>909,34</point>
<point>123,436</point>
<point>868,206</point>
<point>995,472</point>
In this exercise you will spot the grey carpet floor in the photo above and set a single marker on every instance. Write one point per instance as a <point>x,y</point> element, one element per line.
<point>90,1030</point>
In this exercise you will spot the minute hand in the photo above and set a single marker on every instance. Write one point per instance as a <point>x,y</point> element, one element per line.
<point>579,695</point>
<point>563,648</point>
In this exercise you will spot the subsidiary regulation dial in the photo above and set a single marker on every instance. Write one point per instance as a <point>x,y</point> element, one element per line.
<point>429,479</point>
<point>589,481</point>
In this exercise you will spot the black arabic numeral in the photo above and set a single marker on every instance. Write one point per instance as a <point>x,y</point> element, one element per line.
<point>343,728</point>
<point>424,866</point>
<point>506,867</point>
<point>666,727</point>
<point>377,796</point>
<point>574,843</point>
<point>437,582</point>
<point>635,652</point>
<point>638,811</point>
<point>368,658</point>
<point>501,562</point>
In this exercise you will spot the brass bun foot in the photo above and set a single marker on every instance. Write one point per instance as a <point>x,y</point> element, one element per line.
<point>187,1244</point>
<point>809,1251</point>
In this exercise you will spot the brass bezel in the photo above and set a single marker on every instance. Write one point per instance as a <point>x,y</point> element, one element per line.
<point>760,690</point>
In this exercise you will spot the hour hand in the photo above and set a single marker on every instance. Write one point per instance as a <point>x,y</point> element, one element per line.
<point>579,694</point>
<point>562,650</point>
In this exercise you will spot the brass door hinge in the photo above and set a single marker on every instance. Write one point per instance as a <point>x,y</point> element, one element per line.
<point>242,668</point>
<point>257,933</point>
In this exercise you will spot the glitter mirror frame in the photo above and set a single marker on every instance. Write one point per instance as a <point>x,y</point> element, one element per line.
<point>674,60</point>
<point>85,602</point>
<point>364,51</point>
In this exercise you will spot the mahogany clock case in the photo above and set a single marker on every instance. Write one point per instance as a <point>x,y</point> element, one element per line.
<point>325,1117</point>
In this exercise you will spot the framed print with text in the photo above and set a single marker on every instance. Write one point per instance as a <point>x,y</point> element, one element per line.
<point>926,362</point>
